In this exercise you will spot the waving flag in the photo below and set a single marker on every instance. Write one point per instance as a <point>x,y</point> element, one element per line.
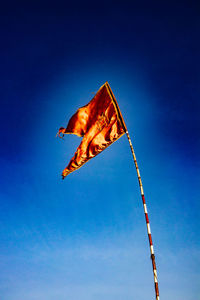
<point>100,123</point>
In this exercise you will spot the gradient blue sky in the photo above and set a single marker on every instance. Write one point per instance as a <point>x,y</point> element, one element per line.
<point>84,238</point>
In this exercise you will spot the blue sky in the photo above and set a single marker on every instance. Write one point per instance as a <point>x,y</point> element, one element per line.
<point>85,237</point>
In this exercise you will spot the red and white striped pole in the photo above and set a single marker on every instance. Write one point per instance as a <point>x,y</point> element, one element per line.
<point>141,190</point>
<point>147,219</point>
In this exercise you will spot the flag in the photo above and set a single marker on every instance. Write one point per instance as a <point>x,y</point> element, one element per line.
<point>100,123</point>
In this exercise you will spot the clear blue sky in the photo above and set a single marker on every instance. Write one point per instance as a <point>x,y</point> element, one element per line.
<point>84,238</point>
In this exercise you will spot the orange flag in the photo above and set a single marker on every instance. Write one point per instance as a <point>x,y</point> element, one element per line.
<point>100,123</point>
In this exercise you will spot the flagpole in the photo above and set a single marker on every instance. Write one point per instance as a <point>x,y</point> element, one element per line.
<point>146,218</point>
<point>120,117</point>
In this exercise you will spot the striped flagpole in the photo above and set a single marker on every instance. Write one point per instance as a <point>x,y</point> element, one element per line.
<point>141,190</point>
<point>147,219</point>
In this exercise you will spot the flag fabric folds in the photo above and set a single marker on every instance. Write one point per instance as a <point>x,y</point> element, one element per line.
<point>100,123</point>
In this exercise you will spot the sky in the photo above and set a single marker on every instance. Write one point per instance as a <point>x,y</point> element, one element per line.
<point>84,238</point>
